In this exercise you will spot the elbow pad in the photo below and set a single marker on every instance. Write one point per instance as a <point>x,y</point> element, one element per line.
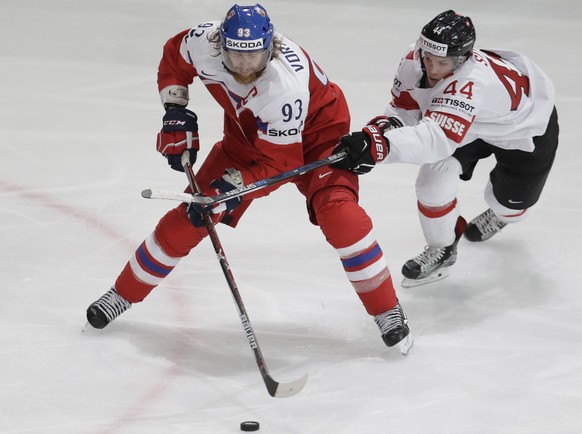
<point>175,95</point>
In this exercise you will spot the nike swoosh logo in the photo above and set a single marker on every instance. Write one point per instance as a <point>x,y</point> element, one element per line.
<point>206,74</point>
<point>323,175</point>
<point>515,201</point>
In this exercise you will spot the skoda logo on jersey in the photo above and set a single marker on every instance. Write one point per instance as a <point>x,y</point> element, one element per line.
<point>237,44</point>
<point>433,47</point>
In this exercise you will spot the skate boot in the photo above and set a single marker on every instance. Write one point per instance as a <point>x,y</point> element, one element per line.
<point>393,326</point>
<point>484,226</point>
<point>433,263</point>
<point>106,309</point>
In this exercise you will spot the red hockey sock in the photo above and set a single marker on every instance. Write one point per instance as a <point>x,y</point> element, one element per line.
<point>157,256</point>
<point>348,229</point>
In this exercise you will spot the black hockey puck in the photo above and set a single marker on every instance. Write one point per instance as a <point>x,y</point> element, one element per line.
<point>249,425</point>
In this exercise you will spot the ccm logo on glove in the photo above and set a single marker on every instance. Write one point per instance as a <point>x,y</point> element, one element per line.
<point>174,122</point>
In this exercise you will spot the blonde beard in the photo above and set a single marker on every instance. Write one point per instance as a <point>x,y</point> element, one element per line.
<point>245,78</point>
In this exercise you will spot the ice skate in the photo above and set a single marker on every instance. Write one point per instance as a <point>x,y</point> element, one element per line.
<point>106,309</point>
<point>430,266</point>
<point>434,263</point>
<point>393,326</point>
<point>484,226</point>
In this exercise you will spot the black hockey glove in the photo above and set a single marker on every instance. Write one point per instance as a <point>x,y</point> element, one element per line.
<point>179,132</point>
<point>368,147</point>
<point>231,180</point>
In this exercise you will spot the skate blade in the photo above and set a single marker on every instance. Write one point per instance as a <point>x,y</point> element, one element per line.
<point>406,344</point>
<point>88,328</point>
<point>437,275</point>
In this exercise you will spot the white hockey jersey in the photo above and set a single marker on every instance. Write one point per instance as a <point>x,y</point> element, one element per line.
<point>498,96</point>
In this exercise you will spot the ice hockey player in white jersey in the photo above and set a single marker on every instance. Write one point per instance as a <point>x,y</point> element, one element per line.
<point>453,105</point>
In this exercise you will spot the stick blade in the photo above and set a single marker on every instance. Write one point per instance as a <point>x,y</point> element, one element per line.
<point>166,194</point>
<point>284,390</point>
<point>202,200</point>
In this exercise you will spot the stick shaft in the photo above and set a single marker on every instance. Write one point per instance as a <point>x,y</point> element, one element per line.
<point>284,176</point>
<point>274,388</point>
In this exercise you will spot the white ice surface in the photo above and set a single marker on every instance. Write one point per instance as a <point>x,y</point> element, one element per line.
<point>498,344</point>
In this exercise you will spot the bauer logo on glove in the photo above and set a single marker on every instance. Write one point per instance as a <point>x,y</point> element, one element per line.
<point>379,142</point>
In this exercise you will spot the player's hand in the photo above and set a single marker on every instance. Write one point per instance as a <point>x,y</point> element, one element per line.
<point>386,123</point>
<point>179,132</point>
<point>365,149</point>
<point>232,179</point>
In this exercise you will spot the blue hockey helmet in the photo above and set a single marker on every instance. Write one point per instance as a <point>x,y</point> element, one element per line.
<point>246,31</point>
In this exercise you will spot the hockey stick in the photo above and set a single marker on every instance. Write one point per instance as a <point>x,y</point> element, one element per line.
<point>245,189</point>
<point>275,389</point>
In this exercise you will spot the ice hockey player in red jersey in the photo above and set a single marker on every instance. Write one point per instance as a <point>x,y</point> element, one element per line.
<point>280,112</point>
<point>453,105</point>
